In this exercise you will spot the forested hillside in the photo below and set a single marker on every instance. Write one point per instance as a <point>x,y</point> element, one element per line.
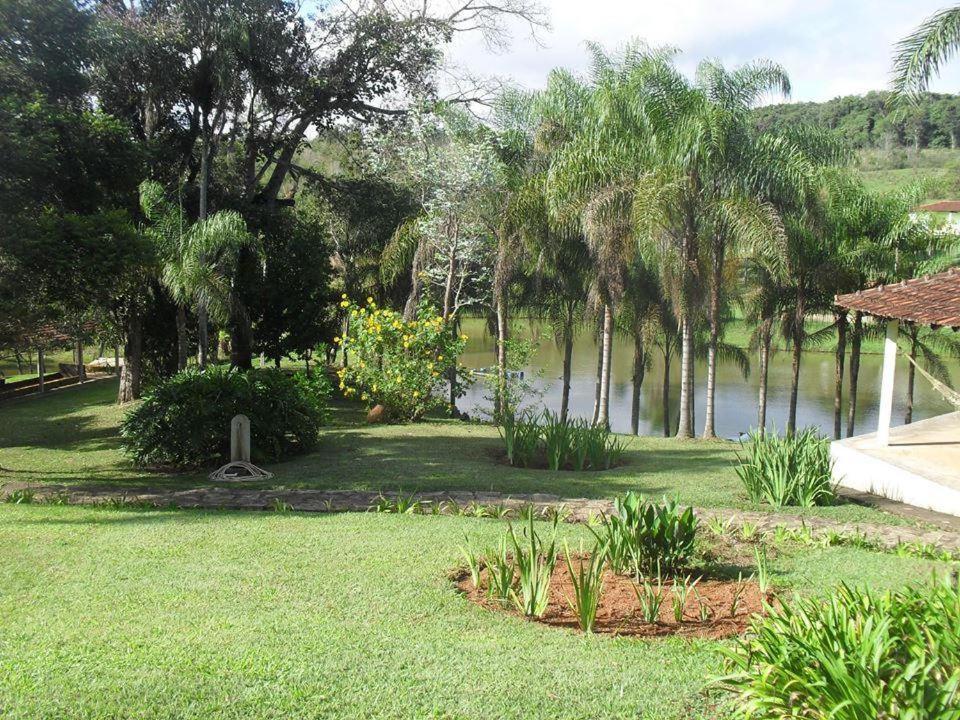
<point>871,121</point>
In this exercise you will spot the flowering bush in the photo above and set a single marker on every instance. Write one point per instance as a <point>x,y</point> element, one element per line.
<point>403,365</point>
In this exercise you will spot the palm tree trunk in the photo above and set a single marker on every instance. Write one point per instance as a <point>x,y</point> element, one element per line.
<point>911,376</point>
<point>81,370</point>
<point>599,379</point>
<point>709,425</point>
<point>841,322</point>
<point>202,339</point>
<point>499,404</point>
<point>855,339</point>
<point>132,360</point>
<point>183,351</point>
<point>413,299</point>
<point>685,425</point>
<point>766,332</point>
<point>639,366</point>
<point>794,384</point>
<point>666,389</point>
<point>603,412</point>
<point>567,363</point>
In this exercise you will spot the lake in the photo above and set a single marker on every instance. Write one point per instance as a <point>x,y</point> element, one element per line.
<point>736,397</point>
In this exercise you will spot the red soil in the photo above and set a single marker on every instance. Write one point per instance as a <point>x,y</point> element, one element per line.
<point>619,610</point>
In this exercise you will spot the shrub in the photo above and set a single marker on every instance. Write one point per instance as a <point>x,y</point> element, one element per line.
<point>646,537</point>
<point>788,470</point>
<point>184,421</point>
<point>531,438</point>
<point>403,365</point>
<point>854,656</point>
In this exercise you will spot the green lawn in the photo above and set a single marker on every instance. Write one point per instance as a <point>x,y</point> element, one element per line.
<point>186,614</point>
<point>71,437</point>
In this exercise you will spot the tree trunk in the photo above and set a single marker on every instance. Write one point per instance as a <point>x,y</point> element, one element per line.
<point>116,359</point>
<point>183,352</point>
<point>413,299</point>
<point>202,339</point>
<point>132,360</point>
<point>685,425</point>
<point>603,412</point>
<point>911,376</point>
<point>599,379</point>
<point>666,389</point>
<point>766,332</point>
<point>41,369</point>
<point>794,384</point>
<point>709,424</point>
<point>567,365</point>
<point>501,398</point>
<point>81,370</point>
<point>841,321</point>
<point>639,368</point>
<point>855,340</point>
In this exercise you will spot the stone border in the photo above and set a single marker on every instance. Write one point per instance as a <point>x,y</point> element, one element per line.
<point>571,509</point>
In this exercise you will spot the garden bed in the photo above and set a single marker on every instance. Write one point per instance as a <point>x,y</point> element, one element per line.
<point>619,611</point>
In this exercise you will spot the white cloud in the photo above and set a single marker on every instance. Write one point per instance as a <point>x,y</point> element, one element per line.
<point>828,47</point>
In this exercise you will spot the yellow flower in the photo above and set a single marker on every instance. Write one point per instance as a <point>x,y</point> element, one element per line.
<point>369,301</point>
<point>416,393</point>
<point>464,338</point>
<point>344,296</point>
<point>440,358</point>
<point>345,303</point>
<point>336,340</point>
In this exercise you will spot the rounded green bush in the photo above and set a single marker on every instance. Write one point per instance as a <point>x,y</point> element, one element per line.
<point>185,420</point>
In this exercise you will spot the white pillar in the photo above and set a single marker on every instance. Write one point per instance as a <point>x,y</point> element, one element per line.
<point>886,383</point>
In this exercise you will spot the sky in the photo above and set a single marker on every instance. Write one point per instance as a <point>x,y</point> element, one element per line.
<point>829,48</point>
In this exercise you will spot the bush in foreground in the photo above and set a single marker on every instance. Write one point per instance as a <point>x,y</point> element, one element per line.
<point>790,470</point>
<point>857,656</point>
<point>185,420</point>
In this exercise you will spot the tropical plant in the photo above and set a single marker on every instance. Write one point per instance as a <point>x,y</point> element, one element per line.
<point>650,597</point>
<point>642,536</point>
<point>535,560</point>
<point>400,364</point>
<point>530,437</point>
<point>587,583</point>
<point>185,421</point>
<point>501,570</point>
<point>855,655</point>
<point>197,259</point>
<point>787,470</point>
<point>682,587</point>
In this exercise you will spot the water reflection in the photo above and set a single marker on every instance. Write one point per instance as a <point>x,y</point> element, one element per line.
<point>736,397</point>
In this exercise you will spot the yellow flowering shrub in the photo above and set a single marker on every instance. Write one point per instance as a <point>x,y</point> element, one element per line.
<point>399,364</point>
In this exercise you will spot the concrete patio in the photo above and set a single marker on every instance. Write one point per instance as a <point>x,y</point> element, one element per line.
<point>919,465</point>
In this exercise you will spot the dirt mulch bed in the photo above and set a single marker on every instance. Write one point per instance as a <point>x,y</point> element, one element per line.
<point>619,611</point>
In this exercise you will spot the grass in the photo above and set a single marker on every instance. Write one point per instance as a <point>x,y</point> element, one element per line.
<point>188,614</point>
<point>71,437</point>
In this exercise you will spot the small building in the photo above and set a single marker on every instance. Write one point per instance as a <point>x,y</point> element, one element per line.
<point>918,464</point>
<point>943,215</point>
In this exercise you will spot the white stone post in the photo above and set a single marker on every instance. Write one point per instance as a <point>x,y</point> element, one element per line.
<point>886,382</point>
<point>240,439</point>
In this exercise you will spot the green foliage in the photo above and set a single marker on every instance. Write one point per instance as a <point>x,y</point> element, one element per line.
<point>501,570</point>
<point>650,597</point>
<point>643,536</point>
<point>185,421</point>
<point>854,656</point>
<point>787,470</point>
<point>535,560</point>
<point>531,438</point>
<point>682,587</point>
<point>400,364</point>
<point>587,583</point>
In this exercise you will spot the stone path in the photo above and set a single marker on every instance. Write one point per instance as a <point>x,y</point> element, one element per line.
<point>573,509</point>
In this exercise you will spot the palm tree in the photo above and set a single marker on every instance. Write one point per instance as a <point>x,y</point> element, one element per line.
<point>601,149</point>
<point>920,55</point>
<point>197,259</point>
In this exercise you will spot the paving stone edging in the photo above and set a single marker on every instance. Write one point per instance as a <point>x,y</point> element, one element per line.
<point>575,509</point>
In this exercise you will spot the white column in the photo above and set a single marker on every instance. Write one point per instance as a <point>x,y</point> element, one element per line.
<point>886,383</point>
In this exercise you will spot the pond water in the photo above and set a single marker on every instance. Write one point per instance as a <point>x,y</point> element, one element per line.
<point>736,397</point>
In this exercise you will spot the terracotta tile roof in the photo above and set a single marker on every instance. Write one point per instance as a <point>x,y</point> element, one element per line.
<point>944,206</point>
<point>930,300</point>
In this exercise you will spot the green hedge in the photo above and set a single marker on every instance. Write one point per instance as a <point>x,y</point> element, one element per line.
<point>185,420</point>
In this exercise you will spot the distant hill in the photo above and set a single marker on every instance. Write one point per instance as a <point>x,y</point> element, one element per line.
<point>869,121</point>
